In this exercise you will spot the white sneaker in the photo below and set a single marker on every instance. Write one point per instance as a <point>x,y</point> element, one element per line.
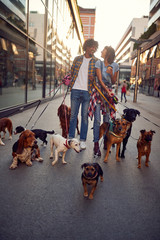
<point>83,145</point>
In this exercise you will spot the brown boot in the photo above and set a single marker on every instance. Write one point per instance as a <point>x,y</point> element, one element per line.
<point>96,149</point>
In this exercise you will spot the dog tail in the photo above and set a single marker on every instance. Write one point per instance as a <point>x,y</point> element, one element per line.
<point>50,132</point>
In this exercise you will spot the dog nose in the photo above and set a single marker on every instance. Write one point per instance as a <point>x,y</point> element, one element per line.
<point>35,142</point>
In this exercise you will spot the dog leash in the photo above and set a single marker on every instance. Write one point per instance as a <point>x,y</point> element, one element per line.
<point>46,105</point>
<point>104,97</point>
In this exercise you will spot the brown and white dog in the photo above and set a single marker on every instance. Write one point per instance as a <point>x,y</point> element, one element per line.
<point>5,124</point>
<point>144,146</point>
<point>25,149</point>
<point>116,136</point>
<point>62,145</point>
<point>64,114</point>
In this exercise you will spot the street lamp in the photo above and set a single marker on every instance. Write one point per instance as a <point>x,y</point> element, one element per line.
<point>137,65</point>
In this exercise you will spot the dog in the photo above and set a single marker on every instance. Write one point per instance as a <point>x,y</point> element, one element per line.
<point>130,115</point>
<point>62,145</point>
<point>90,176</point>
<point>25,149</point>
<point>39,133</point>
<point>120,127</point>
<point>64,114</point>
<point>5,124</point>
<point>144,146</point>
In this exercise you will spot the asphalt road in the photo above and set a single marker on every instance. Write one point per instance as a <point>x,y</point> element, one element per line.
<point>45,202</point>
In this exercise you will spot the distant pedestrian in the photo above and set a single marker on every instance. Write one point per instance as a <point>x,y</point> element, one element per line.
<point>123,91</point>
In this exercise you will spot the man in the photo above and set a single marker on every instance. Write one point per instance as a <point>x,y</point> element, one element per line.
<point>82,72</point>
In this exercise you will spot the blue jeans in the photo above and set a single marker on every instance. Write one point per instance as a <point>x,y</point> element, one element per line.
<point>97,122</point>
<point>79,97</point>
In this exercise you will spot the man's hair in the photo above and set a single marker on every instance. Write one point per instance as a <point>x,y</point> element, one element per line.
<point>90,43</point>
<point>110,54</point>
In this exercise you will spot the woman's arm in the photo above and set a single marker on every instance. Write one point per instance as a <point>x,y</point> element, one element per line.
<point>99,76</point>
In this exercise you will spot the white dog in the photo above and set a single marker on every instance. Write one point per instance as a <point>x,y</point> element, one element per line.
<point>62,145</point>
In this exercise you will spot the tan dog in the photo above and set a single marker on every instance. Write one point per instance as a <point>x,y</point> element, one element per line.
<point>5,124</point>
<point>144,146</point>
<point>116,136</point>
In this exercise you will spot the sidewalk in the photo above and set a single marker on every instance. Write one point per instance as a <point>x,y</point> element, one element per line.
<point>48,200</point>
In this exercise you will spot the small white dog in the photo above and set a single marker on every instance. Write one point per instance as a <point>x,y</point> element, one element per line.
<point>62,145</point>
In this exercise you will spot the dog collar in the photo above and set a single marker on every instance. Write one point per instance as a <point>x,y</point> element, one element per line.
<point>115,134</point>
<point>88,178</point>
<point>66,144</point>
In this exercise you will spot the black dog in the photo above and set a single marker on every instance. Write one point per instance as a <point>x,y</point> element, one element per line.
<point>130,115</point>
<point>90,176</point>
<point>39,133</point>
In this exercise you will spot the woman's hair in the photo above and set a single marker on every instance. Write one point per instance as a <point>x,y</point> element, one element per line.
<point>110,54</point>
<point>90,43</point>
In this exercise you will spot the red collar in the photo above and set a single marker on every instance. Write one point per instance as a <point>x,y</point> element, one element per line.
<point>66,144</point>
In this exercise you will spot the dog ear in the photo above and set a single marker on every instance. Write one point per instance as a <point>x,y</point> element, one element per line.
<point>20,144</point>
<point>125,110</point>
<point>69,141</point>
<point>142,131</point>
<point>96,166</point>
<point>137,112</point>
<point>84,165</point>
<point>152,131</point>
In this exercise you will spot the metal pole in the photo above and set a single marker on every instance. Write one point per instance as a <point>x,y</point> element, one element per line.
<point>137,76</point>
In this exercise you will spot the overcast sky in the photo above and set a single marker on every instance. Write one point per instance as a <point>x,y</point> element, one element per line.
<point>113,18</point>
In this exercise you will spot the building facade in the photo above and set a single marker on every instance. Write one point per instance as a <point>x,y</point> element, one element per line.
<point>88,16</point>
<point>149,63</point>
<point>36,49</point>
<point>125,46</point>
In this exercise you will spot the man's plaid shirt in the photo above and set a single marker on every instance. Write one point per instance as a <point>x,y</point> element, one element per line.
<point>75,69</point>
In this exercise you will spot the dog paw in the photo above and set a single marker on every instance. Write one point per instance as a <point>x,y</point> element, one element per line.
<point>122,156</point>
<point>146,164</point>
<point>101,179</point>
<point>139,166</point>
<point>13,166</point>
<point>39,159</point>
<point>10,138</point>
<point>90,197</point>
<point>105,160</point>
<point>2,144</point>
<point>53,163</point>
<point>85,194</point>
<point>118,160</point>
<point>29,164</point>
<point>64,162</point>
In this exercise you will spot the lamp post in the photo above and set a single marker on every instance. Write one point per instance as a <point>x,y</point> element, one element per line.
<point>137,66</point>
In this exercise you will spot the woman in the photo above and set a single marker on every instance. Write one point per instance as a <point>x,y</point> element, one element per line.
<point>106,72</point>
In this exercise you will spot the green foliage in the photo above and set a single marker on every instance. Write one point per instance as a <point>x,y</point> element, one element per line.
<point>146,35</point>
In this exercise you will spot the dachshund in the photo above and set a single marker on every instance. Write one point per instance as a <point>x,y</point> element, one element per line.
<point>64,114</point>
<point>5,124</point>
<point>25,149</point>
